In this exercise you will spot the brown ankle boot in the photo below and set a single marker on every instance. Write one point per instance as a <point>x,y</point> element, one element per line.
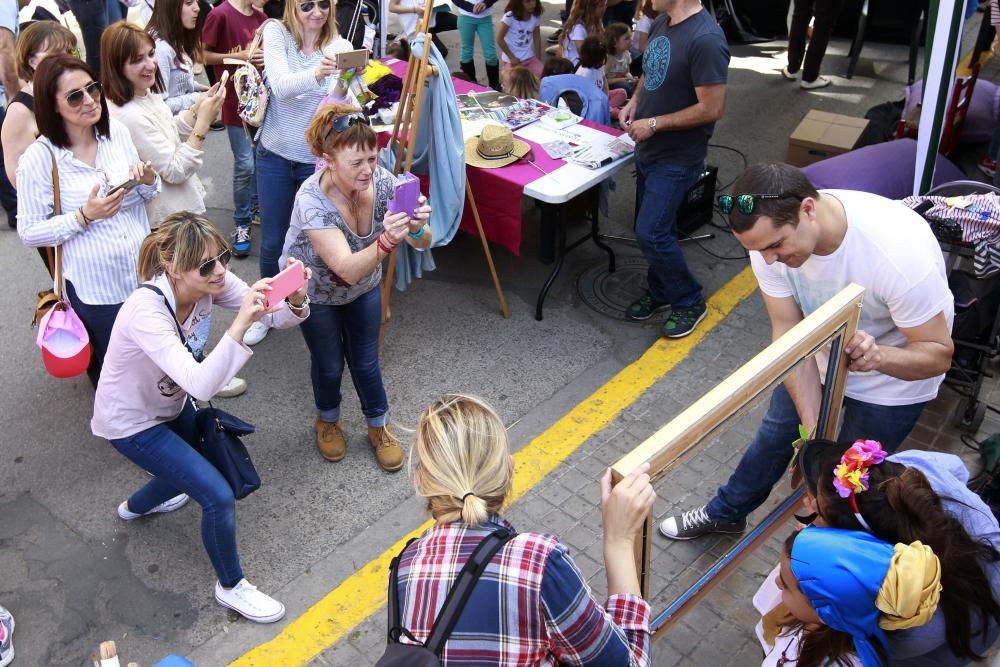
<point>387,449</point>
<point>330,440</point>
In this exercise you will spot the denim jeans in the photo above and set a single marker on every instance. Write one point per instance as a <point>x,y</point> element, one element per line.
<point>169,452</point>
<point>92,15</point>
<point>244,180</point>
<point>468,28</point>
<point>659,191</point>
<point>98,320</point>
<point>350,331</point>
<point>116,11</point>
<point>770,453</point>
<point>278,181</point>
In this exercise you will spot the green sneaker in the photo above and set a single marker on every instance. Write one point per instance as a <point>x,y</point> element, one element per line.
<point>682,321</point>
<point>645,307</point>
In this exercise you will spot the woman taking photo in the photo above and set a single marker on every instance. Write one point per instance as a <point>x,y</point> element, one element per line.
<point>38,41</point>
<point>142,403</point>
<point>532,604</point>
<point>101,225</point>
<point>172,144</point>
<point>342,229</point>
<point>299,57</point>
<point>174,26</point>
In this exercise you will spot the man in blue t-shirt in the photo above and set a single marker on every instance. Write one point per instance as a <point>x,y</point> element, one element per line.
<point>671,117</point>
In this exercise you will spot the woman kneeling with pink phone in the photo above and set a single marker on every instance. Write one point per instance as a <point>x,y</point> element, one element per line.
<point>142,404</point>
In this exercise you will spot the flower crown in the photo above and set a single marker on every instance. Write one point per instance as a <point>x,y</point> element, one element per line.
<point>851,474</point>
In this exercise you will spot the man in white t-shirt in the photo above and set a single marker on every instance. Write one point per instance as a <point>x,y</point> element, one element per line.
<point>805,246</point>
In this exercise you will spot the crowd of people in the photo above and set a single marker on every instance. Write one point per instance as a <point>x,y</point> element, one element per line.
<point>900,563</point>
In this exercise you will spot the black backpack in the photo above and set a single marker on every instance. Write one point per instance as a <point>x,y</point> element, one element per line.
<point>426,655</point>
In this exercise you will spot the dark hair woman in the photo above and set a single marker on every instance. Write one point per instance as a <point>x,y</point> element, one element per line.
<point>915,495</point>
<point>101,226</point>
<point>174,27</point>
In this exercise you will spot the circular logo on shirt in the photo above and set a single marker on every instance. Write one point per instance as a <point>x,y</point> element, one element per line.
<point>655,62</point>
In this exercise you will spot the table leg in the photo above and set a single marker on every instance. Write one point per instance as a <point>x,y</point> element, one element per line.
<point>557,214</point>
<point>547,234</point>
<point>595,231</point>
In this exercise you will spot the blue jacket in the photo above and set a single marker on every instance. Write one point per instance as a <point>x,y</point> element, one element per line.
<point>439,150</point>
<point>595,102</point>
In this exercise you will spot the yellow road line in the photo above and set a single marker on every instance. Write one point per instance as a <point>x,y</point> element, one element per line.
<point>364,592</point>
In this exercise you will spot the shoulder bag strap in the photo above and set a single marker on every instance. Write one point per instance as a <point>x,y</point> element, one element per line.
<point>395,628</point>
<point>166,302</point>
<point>461,590</point>
<point>55,257</point>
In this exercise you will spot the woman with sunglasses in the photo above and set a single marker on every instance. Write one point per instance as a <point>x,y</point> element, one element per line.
<point>36,43</point>
<point>342,228</point>
<point>299,58</point>
<point>103,188</point>
<point>172,144</point>
<point>155,363</point>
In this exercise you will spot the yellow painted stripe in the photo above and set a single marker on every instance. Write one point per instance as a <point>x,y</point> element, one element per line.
<point>363,593</point>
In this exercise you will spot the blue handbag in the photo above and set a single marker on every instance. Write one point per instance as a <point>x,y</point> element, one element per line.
<point>219,433</point>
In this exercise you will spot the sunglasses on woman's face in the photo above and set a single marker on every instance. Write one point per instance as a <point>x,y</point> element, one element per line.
<point>74,98</point>
<point>307,7</point>
<point>745,202</point>
<point>206,269</point>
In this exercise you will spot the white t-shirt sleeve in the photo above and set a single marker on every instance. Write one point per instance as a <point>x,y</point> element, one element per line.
<point>919,303</point>
<point>578,33</point>
<point>771,279</point>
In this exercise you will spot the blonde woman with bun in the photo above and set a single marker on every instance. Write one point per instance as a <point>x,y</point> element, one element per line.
<point>532,605</point>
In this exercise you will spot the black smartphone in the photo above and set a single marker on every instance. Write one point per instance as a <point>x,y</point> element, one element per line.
<point>127,185</point>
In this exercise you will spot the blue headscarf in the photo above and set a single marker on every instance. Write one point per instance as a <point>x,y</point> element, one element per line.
<point>841,572</point>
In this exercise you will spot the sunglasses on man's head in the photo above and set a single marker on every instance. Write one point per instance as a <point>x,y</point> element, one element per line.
<point>205,270</point>
<point>307,7</point>
<point>745,202</point>
<point>74,98</point>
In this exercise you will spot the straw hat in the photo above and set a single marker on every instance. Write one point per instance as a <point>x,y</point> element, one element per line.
<point>494,147</point>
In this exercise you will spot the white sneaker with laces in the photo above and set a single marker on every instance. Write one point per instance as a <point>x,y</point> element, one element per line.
<point>246,600</point>
<point>174,503</point>
<point>255,333</point>
<point>234,387</point>
<point>820,82</point>
<point>790,76</point>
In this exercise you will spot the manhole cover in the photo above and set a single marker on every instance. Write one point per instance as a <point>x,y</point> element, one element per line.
<point>611,293</point>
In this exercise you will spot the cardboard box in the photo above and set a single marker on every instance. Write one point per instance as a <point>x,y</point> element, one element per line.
<point>821,135</point>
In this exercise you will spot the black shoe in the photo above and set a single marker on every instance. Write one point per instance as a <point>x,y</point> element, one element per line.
<point>217,125</point>
<point>695,523</point>
<point>554,37</point>
<point>682,321</point>
<point>645,308</point>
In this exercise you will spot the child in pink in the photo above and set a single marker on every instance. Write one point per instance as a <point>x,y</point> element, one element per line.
<point>593,56</point>
<point>519,37</point>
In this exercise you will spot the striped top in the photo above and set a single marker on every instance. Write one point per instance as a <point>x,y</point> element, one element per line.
<point>100,260</point>
<point>295,92</point>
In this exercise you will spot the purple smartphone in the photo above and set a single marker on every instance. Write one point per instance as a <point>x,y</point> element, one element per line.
<point>407,197</point>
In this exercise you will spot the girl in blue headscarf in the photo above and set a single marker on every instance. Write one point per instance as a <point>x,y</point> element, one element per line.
<point>837,591</point>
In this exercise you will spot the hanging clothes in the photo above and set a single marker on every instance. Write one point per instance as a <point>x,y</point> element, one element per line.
<point>439,152</point>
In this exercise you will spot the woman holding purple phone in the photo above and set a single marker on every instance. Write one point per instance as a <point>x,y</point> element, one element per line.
<point>342,229</point>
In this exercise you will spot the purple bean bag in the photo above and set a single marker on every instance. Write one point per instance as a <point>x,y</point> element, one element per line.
<point>883,169</point>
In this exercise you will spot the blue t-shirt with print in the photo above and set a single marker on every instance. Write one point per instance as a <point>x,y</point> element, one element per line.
<point>676,60</point>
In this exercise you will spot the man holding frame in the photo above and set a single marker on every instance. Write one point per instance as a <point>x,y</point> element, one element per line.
<point>804,247</point>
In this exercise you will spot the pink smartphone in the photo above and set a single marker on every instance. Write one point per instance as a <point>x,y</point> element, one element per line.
<point>284,284</point>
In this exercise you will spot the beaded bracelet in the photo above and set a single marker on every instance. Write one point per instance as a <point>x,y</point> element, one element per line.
<point>416,235</point>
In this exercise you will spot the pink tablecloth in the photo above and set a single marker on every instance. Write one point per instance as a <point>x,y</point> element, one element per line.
<point>498,192</point>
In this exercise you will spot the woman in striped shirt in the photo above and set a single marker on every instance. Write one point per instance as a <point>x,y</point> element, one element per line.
<point>532,605</point>
<point>299,59</point>
<point>101,226</point>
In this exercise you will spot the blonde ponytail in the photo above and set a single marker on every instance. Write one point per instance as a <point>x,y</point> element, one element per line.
<point>462,464</point>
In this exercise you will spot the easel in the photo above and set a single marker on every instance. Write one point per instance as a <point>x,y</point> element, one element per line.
<point>407,120</point>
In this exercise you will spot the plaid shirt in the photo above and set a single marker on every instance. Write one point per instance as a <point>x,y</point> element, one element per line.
<point>530,607</point>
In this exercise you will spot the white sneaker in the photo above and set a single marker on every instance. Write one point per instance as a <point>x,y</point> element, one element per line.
<point>246,600</point>
<point>174,503</point>
<point>820,82</point>
<point>255,333</point>
<point>789,76</point>
<point>234,387</point>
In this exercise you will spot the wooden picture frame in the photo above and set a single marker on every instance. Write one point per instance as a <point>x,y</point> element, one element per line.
<point>831,325</point>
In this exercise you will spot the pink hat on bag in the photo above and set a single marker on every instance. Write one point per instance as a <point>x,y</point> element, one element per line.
<point>64,342</point>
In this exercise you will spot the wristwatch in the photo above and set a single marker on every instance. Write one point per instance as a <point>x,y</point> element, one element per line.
<point>652,123</point>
